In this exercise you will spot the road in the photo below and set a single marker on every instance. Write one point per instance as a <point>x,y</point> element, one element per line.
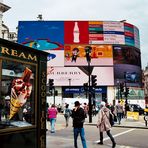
<point>124,137</point>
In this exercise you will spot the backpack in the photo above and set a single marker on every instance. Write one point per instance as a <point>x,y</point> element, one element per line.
<point>67,113</point>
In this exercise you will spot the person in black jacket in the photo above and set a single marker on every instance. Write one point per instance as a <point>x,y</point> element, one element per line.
<point>78,116</point>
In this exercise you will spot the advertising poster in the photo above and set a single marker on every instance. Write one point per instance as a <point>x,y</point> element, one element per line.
<point>95,32</point>
<point>129,34</point>
<point>136,36</point>
<point>75,55</point>
<point>107,32</point>
<point>55,58</point>
<point>67,76</point>
<point>126,55</point>
<point>42,35</point>
<point>76,32</point>
<point>20,91</point>
<point>77,76</point>
<point>130,74</point>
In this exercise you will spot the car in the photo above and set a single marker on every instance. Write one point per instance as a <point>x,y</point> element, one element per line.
<point>136,108</point>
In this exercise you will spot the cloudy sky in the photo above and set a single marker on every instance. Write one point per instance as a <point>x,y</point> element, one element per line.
<point>133,11</point>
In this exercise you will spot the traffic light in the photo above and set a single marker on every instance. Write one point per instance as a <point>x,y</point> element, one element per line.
<point>121,87</point>
<point>85,85</point>
<point>51,84</point>
<point>94,80</point>
<point>126,91</point>
<point>88,50</point>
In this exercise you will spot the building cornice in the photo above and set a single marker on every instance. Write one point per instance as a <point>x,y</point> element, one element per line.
<point>4,8</point>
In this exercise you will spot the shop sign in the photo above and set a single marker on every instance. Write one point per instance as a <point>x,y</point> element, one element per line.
<point>18,54</point>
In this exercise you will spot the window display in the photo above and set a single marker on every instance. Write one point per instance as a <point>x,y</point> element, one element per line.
<point>17,107</point>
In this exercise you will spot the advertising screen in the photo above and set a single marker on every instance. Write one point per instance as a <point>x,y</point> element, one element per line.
<point>53,35</point>
<point>130,74</point>
<point>74,76</point>
<point>127,55</point>
<point>76,32</point>
<point>42,35</point>
<point>77,55</point>
<point>55,58</point>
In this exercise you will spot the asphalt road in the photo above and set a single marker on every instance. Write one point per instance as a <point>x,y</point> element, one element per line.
<point>124,137</point>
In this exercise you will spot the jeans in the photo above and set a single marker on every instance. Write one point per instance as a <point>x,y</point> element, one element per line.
<point>119,116</point>
<point>67,120</point>
<point>82,135</point>
<point>52,123</point>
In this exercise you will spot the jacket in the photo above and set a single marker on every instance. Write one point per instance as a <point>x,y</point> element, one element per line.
<point>52,113</point>
<point>103,119</point>
<point>78,117</point>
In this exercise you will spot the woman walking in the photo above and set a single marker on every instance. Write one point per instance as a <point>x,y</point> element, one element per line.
<point>67,114</point>
<point>52,115</point>
<point>104,124</point>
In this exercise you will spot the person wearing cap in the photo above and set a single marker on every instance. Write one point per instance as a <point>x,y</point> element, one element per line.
<point>78,116</point>
<point>104,124</point>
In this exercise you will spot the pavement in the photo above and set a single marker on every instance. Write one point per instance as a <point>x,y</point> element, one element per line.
<point>54,140</point>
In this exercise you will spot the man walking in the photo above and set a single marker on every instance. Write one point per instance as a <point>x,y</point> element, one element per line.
<point>78,116</point>
<point>119,111</point>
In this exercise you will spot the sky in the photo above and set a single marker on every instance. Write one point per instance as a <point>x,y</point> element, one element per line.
<point>133,11</point>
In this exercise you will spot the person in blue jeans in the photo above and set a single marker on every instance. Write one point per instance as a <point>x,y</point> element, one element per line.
<point>78,116</point>
<point>119,111</point>
<point>52,115</point>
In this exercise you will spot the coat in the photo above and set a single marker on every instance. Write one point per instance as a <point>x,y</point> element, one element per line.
<point>103,119</point>
<point>52,112</point>
<point>78,116</point>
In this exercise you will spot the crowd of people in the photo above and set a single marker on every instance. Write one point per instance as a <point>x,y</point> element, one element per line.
<point>81,111</point>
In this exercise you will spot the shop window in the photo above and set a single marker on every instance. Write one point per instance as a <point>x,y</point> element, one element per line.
<point>17,94</point>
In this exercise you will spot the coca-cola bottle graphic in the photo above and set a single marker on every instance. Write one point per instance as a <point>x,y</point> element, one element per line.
<point>76,33</point>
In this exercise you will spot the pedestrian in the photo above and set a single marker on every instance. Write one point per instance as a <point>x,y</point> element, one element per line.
<point>78,116</point>
<point>67,114</point>
<point>85,107</point>
<point>104,124</point>
<point>52,115</point>
<point>119,111</point>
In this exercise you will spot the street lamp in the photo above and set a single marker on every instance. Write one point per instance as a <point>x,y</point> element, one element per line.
<point>88,50</point>
<point>125,73</point>
<point>118,86</point>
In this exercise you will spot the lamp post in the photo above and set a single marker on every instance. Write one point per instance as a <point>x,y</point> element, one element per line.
<point>118,86</point>
<point>125,88</point>
<point>88,59</point>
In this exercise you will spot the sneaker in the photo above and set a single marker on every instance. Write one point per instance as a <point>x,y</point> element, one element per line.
<point>114,145</point>
<point>101,143</point>
<point>52,131</point>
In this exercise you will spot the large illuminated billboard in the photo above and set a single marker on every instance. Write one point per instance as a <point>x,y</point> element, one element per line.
<point>130,74</point>
<point>77,76</point>
<point>112,44</point>
<point>59,33</point>
<point>75,55</point>
<point>126,55</point>
<point>42,35</point>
